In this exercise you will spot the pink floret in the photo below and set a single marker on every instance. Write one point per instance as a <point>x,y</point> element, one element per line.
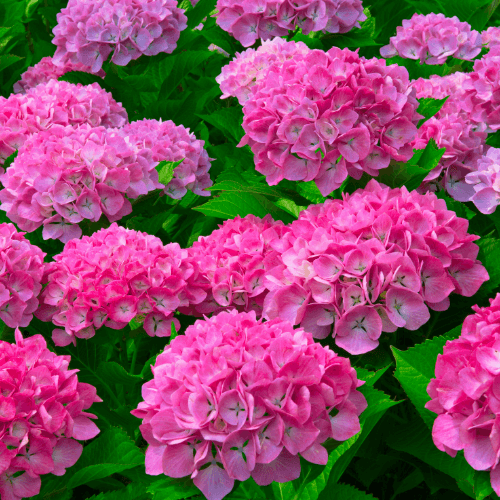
<point>43,415</point>
<point>236,398</point>
<point>157,141</point>
<point>249,68</point>
<point>21,271</point>
<point>67,174</point>
<point>370,263</point>
<point>465,393</point>
<point>54,103</point>
<point>433,38</point>
<point>88,31</point>
<point>249,20</point>
<point>112,277</point>
<point>324,116</point>
<point>233,261</point>
<point>46,70</point>
<point>485,182</point>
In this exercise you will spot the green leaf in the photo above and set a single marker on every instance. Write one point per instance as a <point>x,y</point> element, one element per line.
<point>134,491</point>
<point>201,10</point>
<point>174,69</point>
<point>231,204</point>
<point>248,490</point>
<point>134,325</point>
<point>10,159</point>
<point>114,373</point>
<point>165,170</point>
<point>428,107</point>
<point>228,121</point>
<point>83,78</point>
<point>289,206</point>
<point>415,368</point>
<point>370,377</point>
<point>31,6</point>
<point>408,483</point>
<point>416,439</point>
<point>347,492</point>
<point>7,60</point>
<point>489,255</point>
<point>173,489</point>
<point>111,452</point>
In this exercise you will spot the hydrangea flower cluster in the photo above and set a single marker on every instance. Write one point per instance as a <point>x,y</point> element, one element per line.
<point>249,20</point>
<point>112,277</point>
<point>235,397</point>
<point>465,393</point>
<point>54,103</point>
<point>21,272</point>
<point>433,38</point>
<point>249,68</point>
<point>88,31</point>
<point>454,127</point>
<point>327,115</point>
<point>485,182</point>
<point>42,415</point>
<point>491,37</point>
<point>372,262</point>
<point>233,261</point>
<point>47,70</point>
<point>65,175</point>
<point>157,141</point>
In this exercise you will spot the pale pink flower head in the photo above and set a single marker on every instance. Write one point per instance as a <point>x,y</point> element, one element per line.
<point>323,116</point>
<point>88,31</point>
<point>370,263</point>
<point>65,175</point>
<point>43,415</point>
<point>433,38</point>
<point>155,141</point>
<point>46,70</point>
<point>491,37</point>
<point>54,103</point>
<point>249,20</point>
<point>233,261</point>
<point>236,398</point>
<point>249,68</point>
<point>485,182</point>
<point>112,277</point>
<point>21,271</point>
<point>465,393</point>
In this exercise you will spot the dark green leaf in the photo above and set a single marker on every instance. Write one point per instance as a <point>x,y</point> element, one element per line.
<point>201,10</point>
<point>114,373</point>
<point>489,255</point>
<point>131,492</point>
<point>228,121</point>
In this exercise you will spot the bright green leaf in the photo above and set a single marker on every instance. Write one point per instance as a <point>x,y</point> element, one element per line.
<point>428,107</point>
<point>134,491</point>
<point>173,489</point>
<point>165,170</point>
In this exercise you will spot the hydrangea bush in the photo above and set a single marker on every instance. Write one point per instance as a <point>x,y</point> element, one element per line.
<point>256,229</point>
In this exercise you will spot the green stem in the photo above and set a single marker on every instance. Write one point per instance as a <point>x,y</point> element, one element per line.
<point>134,355</point>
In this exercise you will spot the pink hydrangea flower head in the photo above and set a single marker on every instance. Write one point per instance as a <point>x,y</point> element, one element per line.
<point>433,38</point>
<point>491,37</point>
<point>244,398</point>
<point>22,267</point>
<point>112,277</point>
<point>54,103</point>
<point>64,175</point>
<point>249,20</point>
<point>46,70</point>
<point>324,116</point>
<point>43,415</point>
<point>157,141</point>
<point>233,261</point>
<point>88,31</point>
<point>465,396</point>
<point>371,263</point>
<point>249,68</point>
<point>485,182</point>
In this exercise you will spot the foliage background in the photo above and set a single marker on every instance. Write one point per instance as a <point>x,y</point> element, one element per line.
<point>393,456</point>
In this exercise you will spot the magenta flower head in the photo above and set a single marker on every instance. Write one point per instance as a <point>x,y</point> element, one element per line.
<point>485,182</point>
<point>112,277</point>
<point>235,397</point>
<point>491,37</point>
<point>46,70</point>
<point>64,175</point>
<point>325,116</point>
<point>466,392</point>
<point>233,261</point>
<point>370,263</point>
<point>249,68</point>
<point>54,103</point>
<point>88,31</point>
<point>157,141</point>
<point>22,268</point>
<point>249,20</point>
<point>433,38</point>
<point>42,415</point>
